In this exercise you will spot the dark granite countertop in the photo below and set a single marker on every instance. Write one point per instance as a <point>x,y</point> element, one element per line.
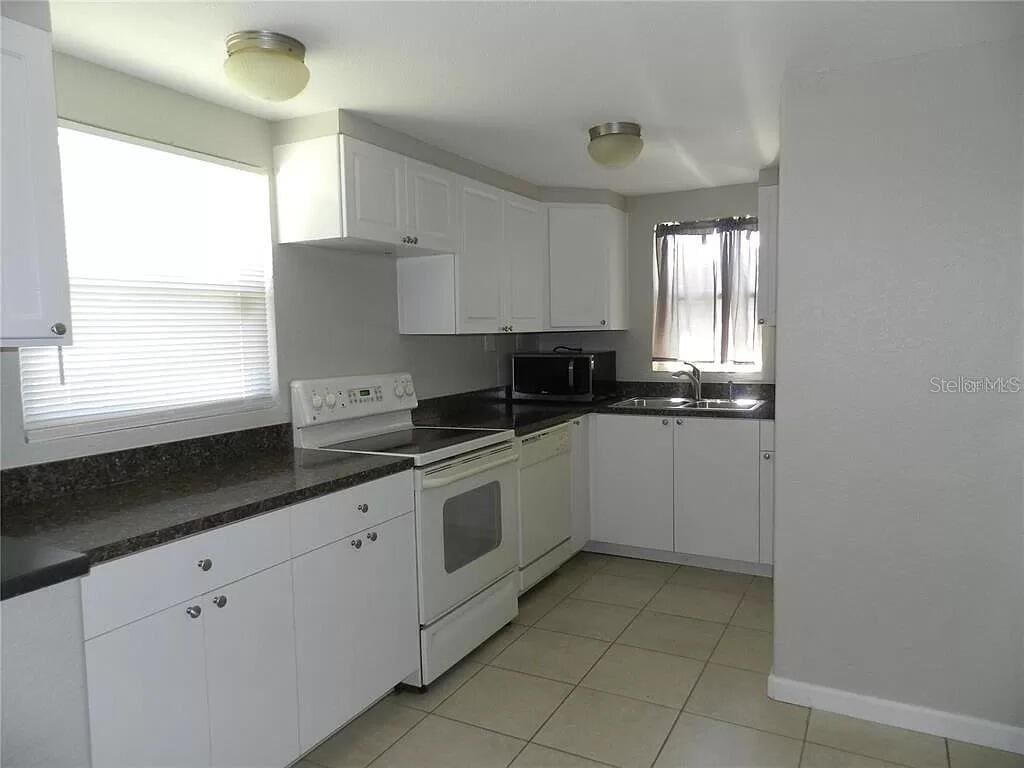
<point>116,520</point>
<point>26,566</point>
<point>489,409</point>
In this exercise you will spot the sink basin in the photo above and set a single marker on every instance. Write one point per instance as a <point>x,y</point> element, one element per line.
<point>723,405</point>
<point>654,402</point>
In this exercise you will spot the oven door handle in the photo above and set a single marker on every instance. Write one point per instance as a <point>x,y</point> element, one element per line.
<point>443,478</point>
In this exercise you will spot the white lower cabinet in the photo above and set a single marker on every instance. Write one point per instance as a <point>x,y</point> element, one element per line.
<point>250,671</point>
<point>692,486</point>
<point>631,470</point>
<point>716,488</point>
<point>147,693</point>
<point>356,624</point>
<point>580,435</point>
<point>207,683</point>
<point>766,511</point>
<point>253,672</point>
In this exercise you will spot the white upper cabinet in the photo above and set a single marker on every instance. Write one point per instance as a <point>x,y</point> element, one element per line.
<point>768,226</point>
<point>34,306</point>
<point>588,277</point>
<point>341,192</point>
<point>480,264</point>
<point>373,195</point>
<point>432,206</point>
<point>495,281</point>
<point>526,262</point>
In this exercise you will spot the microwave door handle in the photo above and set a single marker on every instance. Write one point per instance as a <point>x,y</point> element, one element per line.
<point>443,478</point>
<point>572,375</point>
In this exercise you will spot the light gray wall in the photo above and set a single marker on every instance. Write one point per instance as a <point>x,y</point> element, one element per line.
<point>35,14</point>
<point>336,313</point>
<point>899,557</point>
<point>633,347</point>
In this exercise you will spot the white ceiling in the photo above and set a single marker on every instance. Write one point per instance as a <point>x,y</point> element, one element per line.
<point>516,85</point>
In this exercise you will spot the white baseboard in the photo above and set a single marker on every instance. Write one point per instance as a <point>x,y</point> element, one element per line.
<point>679,558</point>
<point>974,730</point>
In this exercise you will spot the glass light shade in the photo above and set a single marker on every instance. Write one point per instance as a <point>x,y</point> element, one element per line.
<point>615,150</point>
<point>267,74</point>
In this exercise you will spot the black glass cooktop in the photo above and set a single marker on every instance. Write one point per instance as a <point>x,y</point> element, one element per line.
<point>411,442</point>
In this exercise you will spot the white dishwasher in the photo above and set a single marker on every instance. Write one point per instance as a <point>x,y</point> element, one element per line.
<point>545,503</point>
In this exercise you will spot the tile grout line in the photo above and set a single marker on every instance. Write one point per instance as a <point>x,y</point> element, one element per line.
<point>560,599</point>
<point>596,662</point>
<point>696,682</point>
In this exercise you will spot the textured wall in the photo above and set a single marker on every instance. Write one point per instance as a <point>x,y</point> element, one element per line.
<point>899,510</point>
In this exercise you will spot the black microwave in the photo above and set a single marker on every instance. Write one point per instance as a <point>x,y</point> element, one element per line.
<point>573,376</point>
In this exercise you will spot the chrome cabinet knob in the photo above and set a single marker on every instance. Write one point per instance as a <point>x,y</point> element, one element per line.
<point>664,421</point>
<point>205,564</point>
<point>193,611</point>
<point>364,508</point>
<point>760,321</point>
<point>604,322</point>
<point>357,543</point>
<point>372,535</point>
<point>767,456</point>
<point>58,329</point>
<point>220,601</point>
<point>679,422</point>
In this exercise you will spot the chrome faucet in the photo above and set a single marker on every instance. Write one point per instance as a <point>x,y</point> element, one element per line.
<point>693,377</point>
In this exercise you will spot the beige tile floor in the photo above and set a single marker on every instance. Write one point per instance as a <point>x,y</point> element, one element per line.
<point>628,663</point>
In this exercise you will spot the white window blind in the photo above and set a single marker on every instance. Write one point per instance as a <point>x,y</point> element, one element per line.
<point>169,259</point>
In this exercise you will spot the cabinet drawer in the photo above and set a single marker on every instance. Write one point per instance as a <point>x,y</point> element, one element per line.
<point>121,591</point>
<point>329,518</point>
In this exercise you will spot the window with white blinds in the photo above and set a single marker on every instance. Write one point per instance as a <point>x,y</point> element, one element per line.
<point>169,259</point>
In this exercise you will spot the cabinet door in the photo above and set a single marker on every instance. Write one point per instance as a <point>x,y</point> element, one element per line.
<point>526,252</point>
<point>431,209</point>
<point>34,274</point>
<point>387,617</point>
<point>356,624</point>
<point>250,669</point>
<point>147,693</point>
<point>766,509</point>
<point>328,599</point>
<point>768,226</point>
<point>481,275</point>
<point>580,431</point>
<point>631,480</point>
<point>374,192</point>
<point>716,488</point>
<point>580,239</point>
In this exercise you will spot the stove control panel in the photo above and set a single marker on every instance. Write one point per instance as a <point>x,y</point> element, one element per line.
<point>320,401</point>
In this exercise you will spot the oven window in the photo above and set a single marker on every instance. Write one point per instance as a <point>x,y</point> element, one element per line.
<point>472,525</point>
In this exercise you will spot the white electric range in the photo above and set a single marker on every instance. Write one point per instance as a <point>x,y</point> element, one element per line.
<point>467,504</point>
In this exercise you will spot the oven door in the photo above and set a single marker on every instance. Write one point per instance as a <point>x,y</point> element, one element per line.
<point>467,523</point>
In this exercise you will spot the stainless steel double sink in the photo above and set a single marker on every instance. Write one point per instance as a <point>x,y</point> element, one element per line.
<point>687,404</point>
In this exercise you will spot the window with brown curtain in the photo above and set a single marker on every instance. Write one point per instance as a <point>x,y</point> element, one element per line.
<point>705,295</point>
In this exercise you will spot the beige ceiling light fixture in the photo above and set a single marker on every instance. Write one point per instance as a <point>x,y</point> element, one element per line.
<point>615,145</point>
<point>266,65</point>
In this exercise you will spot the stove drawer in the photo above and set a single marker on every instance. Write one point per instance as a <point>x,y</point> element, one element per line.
<point>327,519</point>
